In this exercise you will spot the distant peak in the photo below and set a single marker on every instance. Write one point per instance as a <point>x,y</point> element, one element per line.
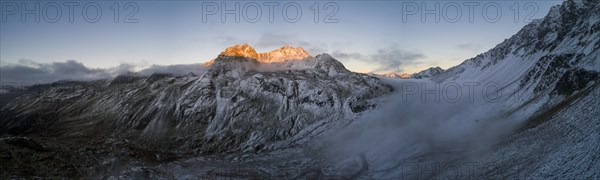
<point>278,55</point>
<point>284,53</point>
<point>243,50</point>
<point>290,48</point>
<point>396,75</point>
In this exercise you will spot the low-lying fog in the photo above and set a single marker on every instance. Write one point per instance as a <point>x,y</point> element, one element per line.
<point>425,122</point>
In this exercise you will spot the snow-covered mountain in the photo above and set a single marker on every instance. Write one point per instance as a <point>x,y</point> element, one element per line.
<point>276,115</point>
<point>275,56</point>
<point>545,62</point>
<point>240,104</point>
<point>539,121</point>
<point>429,73</point>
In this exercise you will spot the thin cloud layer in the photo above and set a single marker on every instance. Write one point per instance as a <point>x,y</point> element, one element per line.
<point>177,69</point>
<point>389,59</point>
<point>27,72</point>
<point>30,72</point>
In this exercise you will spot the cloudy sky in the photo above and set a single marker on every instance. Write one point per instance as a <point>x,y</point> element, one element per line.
<point>367,36</point>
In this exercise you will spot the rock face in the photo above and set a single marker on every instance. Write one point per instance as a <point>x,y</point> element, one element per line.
<point>276,56</point>
<point>243,50</point>
<point>238,105</point>
<point>432,72</point>
<point>545,84</point>
<point>283,54</point>
<point>545,62</point>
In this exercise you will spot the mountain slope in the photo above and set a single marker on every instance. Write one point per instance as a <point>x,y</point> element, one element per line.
<point>275,56</point>
<point>536,118</point>
<point>240,104</point>
<point>432,72</point>
<point>545,62</point>
<point>210,126</point>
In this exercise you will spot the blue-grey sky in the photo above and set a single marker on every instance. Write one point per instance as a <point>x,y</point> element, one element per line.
<point>367,36</point>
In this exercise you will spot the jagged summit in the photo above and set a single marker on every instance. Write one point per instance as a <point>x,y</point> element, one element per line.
<point>237,105</point>
<point>243,50</point>
<point>279,55</point>
<point>395,75</point>
<point>282,54</point>
<point>428,73</point>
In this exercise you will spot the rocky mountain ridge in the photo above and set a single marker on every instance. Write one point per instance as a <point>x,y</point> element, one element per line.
<point>275,56</point>
<point>544,63</point>
<point>235,106</point>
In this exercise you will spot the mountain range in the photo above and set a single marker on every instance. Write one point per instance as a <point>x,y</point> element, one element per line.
<point>286,113</point>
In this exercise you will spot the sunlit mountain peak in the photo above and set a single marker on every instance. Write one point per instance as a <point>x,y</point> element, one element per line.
<point>282,54</point>
<point>278,55</point>
<point>243,50</point>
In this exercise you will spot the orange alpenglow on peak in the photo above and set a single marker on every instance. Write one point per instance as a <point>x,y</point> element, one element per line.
<point>243,50</point>
<point>282,54</point>
<point>279,55</point>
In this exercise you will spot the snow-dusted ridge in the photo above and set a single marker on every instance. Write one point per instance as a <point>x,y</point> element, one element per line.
<point>548,60</point>
<point>287,117</point>
<point>238,105</point>
<point>543,124</point>
<point>282,54</point>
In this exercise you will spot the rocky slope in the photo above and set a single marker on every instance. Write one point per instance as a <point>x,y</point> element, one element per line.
<point>541,121</point>
<point>562,144</point>
<point>275,56</point>
<point>429,73</point>
<point>211,126</point>
<point>239,105</point>
<point>545,62</point>
<point>533,112</point>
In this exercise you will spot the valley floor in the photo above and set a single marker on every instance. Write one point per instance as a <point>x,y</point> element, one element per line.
<point>565,145</point>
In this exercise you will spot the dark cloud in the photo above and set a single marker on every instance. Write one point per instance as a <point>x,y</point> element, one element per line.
<point>121,69</point>
<point>345,56</point>
<point>391,59</point>
<point>70,67</point>
<point>28,72</point>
